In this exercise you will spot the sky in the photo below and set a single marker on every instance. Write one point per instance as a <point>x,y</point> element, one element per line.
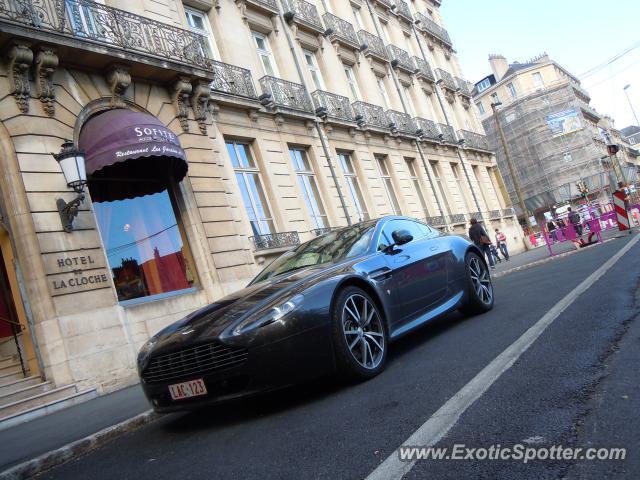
<point>579,35</point>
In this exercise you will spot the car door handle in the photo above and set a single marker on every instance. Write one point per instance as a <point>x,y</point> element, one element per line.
<point>434,248</point>
<point>380,274</point>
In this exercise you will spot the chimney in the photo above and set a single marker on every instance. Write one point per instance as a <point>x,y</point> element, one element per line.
<point>499,65</point>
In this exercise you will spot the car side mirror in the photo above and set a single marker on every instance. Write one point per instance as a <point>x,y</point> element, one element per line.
<point>400,237</point>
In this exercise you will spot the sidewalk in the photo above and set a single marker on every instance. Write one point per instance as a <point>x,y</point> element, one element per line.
<point>32,439</point>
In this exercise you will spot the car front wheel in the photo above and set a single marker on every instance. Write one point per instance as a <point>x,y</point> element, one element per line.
<point>479,288</point>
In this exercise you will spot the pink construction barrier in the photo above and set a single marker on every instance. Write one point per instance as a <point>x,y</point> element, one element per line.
<point>591,227</point>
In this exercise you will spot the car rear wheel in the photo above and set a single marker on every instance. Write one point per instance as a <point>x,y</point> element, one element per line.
<point>359,335</point>
<point>479,288</point>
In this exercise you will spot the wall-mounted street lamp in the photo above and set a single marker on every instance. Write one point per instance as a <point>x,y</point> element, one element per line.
<point>71,162</point>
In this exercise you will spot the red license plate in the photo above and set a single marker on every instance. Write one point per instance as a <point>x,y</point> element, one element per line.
<point>193,388</point>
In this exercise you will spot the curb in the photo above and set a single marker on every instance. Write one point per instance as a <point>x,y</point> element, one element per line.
<point>72,450</point>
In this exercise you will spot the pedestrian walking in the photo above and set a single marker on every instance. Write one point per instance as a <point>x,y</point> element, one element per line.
<point>575,220</point>
<point>479,236</point>
<point>494,252</point>
<point>551,228</point>
<point>501,242</point>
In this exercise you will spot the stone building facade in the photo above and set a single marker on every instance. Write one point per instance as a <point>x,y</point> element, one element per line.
<point>292,117</point>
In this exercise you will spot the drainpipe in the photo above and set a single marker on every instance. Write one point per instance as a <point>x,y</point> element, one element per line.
<point>446,119</point>
<point>406,110</point>
<point>321,134</point>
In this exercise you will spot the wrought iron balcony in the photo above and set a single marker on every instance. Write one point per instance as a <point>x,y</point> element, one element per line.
<point>372,45</point>
<point>232,80</point>
<point>432,28</point>
<point>269,5</point>
<point>341,31</point>
<point>401,122</point>
<point>369,115</point>
<point>303,13</point>
<point>385,3</point>
<point>495,214</point>
<point>285,94</point>
<point>474,140</point>
<point>402,9</point>
<point>321,231</point>
<point>508,212</point>
<point>95,23</point>
<point>424,69</point>
<point>476,215</point>
<point>457,218</point>
<point>401,59</point>
<point>332,105</point>
<point>446,79</point>
<point>428,128</point>
<point>463,87</point>
<point>437,221</point>
<point>448,134</point>
<point>275,240</point>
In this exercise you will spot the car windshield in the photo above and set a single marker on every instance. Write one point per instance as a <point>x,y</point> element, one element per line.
<point>331,247</point>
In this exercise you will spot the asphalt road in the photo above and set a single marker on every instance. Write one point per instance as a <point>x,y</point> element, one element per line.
<point>577,385</point>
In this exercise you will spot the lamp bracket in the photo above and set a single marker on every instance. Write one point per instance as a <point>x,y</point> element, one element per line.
<point>69,211</point>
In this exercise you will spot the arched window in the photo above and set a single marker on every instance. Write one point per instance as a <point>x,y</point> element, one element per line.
<point>134,164</point>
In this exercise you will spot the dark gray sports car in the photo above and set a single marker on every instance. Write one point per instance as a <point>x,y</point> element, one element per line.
<point>332,304</point>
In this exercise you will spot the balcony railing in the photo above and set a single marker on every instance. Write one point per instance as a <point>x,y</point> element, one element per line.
<point>463,87</point>
<point>401,59</point>
<point>372,45</point>
<point>433,29</point>
<point>303,13</point>
<point>334,106</point>
<point>370,115</point>
<point>495,214</point>
<point>447,79</point>
<point>275,240</point>
<point>97,23</point>
<point>341,30</point>
<point>474,140</point>
<point>232,80</point>
<point>428,128</point>
<point>424,69</point>
<point>402,9</point>
<point>436,221</point>
<point>476,215</point>
<point>321,231</point>
<point>457,218</point>
<point>401,122</point>
<point>286,94</point>
<point>269,5</point>
<point>508,212</point>
<point>385,3</point>
<point>448,134</point>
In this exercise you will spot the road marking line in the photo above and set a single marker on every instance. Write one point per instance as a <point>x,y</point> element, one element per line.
<point>439,424</point>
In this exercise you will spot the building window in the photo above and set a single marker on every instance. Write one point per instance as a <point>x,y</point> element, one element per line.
<point>461,189</point>
<point>353,186</point>
<point>199,23</point>
<point>413,173</point>
<point>484,84</point>
<point>407,101</point>
<point>145,243</point>
<point>495,98</point>
<point>314,71</point>
<point>384,33</point>
<point>353,84</point>
<point>382,89</point>
<point>357,15</point>
<point>480,108</point>
<point>385,176</point>
<point>537,80</point>
<point>512,90</point>
<point>264,52</point>
<point>309,187</point>
<point>438,178</point>
<point>253,197</point>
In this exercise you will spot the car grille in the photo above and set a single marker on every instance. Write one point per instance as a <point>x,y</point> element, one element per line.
<point>193,361</point>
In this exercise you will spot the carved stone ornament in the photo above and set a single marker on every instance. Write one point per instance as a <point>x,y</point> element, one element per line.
<point>450,96</point>
<point>181,91</point>
<point>199,103</point>
<point>20,57</point>
<point>45,66</point>
<point>119,79</point>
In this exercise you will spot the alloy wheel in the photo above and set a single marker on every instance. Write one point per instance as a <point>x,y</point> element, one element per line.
<point>363,331</point>
<point>481,280</point>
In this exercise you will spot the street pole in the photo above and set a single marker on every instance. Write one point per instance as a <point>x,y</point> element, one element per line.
<point>626,87</point>
<point>516,182</point>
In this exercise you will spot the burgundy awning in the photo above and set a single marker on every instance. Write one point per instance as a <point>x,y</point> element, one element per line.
<point>133,148</point>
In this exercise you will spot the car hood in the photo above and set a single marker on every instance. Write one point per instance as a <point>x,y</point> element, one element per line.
<point>215,318</point>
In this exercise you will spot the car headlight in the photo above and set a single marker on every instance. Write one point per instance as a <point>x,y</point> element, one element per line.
<point>143,354</point>
<point>272,315</point>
